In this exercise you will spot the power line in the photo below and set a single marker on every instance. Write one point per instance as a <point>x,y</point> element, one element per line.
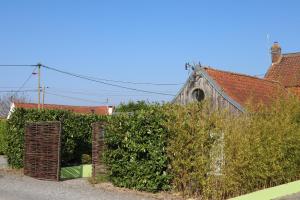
<point>134,83</point>
<point>74,98</point>
<point>93,93</point>
<point>18,65</point>
<point>108,80</point>
<point>25,82</point>
<point>98,81</point>
<point>12,87</point>
<point>18,91</point>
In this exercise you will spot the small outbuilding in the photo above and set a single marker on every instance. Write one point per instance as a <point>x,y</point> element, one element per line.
<point>232,91</point>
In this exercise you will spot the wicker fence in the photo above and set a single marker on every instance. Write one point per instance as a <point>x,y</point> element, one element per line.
<point>98,166</point>
<point>42,150</point>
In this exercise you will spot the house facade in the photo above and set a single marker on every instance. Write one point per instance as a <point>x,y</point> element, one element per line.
<point>233,91</point>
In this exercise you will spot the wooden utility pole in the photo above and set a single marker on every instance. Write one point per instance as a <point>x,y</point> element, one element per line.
<point>43,97</point>
<point>39,85</point>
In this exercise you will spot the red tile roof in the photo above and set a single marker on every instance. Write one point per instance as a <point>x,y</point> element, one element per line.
<point>99,110</point>
<point>286,71</point>
<point>244,88</point>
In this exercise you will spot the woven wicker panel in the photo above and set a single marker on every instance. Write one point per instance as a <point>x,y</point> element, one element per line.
<point>98,166</point>
<point>42,150</point>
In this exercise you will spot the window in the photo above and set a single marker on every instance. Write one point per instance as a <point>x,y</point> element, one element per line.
<point>198,94</point>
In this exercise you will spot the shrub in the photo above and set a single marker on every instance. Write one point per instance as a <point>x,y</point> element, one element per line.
<point>132,106</point>
<point>262,148</point>
<point>86,159</point>
<point>2,135</point>
<point>204,153</point>
<point>217,155</point>
<point>135,149</point>
<point>75,138</point>
<point>193,134</point>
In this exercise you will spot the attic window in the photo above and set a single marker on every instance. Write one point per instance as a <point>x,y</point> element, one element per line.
<point>198,94</point>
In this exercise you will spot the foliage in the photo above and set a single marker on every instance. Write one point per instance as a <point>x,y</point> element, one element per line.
<point>262,148</point>
<point>135,149</point>
<point>2,136</point>
<point>132,106</point>
<point>75,138</point>
<point>86,159</point>
<point>217,155</point>
<point>193,135</point>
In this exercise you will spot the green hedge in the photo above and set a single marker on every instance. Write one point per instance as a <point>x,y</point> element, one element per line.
<point>135,149</point>
<point>2,135</point>
<point>76,134</point>
<point>262,148</point>
<point>216,155</point>
<point>193,135</point>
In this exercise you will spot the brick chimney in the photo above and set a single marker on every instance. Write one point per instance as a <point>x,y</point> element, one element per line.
<point>275,52</point>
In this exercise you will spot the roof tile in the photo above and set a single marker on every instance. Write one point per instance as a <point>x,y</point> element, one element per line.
<point>287,71</point>
<point>99,110</point>
<point>244,88</point>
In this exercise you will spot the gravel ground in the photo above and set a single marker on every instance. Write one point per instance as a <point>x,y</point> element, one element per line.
<point>15,187</point>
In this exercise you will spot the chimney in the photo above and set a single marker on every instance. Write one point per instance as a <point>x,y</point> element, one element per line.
<point>275,52</point>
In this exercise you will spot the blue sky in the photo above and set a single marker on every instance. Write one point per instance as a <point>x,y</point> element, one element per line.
<point>140,41</point>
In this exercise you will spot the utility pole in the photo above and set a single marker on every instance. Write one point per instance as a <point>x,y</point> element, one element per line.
<point>43,97</point>
<point>39,85</point>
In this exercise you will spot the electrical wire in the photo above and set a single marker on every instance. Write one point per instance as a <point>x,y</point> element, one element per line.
<point>102,82</point>
<point>134,83</point>
<point>74,98</point>
<point>109,80</point>
<point>17,91</point>
<point>18,65</point>
<point>12,87</point>
<point>26,81</point>
<point>93,93</point>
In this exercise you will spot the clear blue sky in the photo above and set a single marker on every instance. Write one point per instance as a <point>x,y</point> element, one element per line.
<point>141,41</point>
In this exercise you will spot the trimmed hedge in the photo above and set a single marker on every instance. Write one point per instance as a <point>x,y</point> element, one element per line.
<point>203,153</point>
<point>132,106</point>
<point>2,136</point>
<point>76,134</point>
<point>135,149</point>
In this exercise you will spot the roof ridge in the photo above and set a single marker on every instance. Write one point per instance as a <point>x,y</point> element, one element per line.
<point>291,54</point>
<point>241,74</point>
<point>58,105</point>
